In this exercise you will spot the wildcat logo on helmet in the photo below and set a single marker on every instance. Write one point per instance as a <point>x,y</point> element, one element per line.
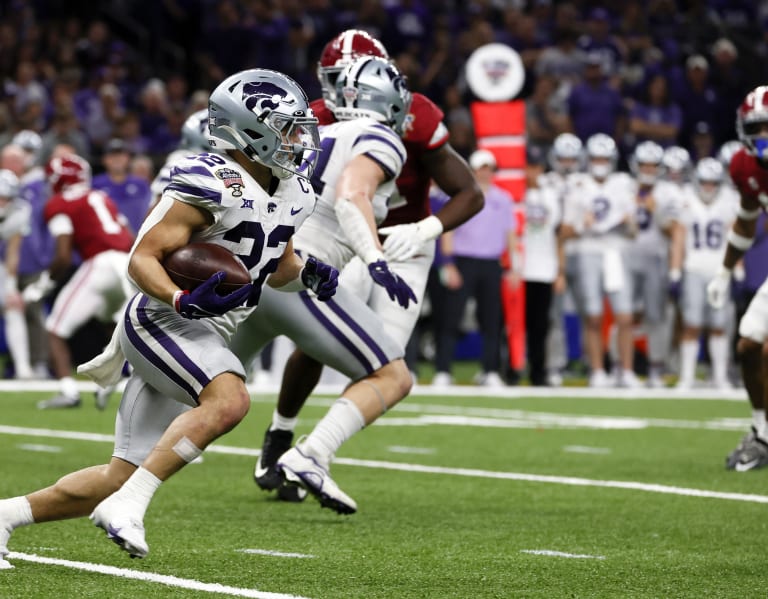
<point>263,95</point>
<point>231,179</point>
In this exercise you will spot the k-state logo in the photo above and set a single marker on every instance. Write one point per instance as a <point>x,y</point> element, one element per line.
<point>263,95</point>
<point>271,207</point>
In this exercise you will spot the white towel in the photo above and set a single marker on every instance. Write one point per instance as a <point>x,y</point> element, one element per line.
<point>613,270</point>
<point>106,368</point>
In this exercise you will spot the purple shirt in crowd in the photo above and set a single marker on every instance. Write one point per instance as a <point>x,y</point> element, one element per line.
<point>594,109</point>
<point>485,235</point>
<point>666,115</point>
<point>131,197</point>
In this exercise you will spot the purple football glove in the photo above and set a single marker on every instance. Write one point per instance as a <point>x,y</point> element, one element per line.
<point>397,289</point>
<point>204,302</point>
<point>320,277</point>
<point>674,288</point>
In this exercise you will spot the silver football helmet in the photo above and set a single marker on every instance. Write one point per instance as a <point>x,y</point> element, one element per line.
<point>677,163</point>
<point>266,116</point>
<point>708,177</point>
<point>566,154</point>
<point>646,162</point>
<point>727,150</point>
<point>194,132</point>
<point>601,147</point>
<point>374,88</point>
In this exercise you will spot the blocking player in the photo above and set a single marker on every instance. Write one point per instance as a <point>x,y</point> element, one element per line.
<point>361,156</point>
<point>249,200</point>
<point>409,226</point>
<point>749,174</point>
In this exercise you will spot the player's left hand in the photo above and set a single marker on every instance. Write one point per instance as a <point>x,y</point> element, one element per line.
<point>396,287</point>
<point>320,277</point>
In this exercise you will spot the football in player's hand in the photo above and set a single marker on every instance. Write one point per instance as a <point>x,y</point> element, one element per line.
<point>192,264</point>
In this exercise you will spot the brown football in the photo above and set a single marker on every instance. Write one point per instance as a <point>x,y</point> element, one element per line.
<point>195,263</point>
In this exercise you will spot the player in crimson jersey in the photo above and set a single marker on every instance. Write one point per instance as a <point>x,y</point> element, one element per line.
<point>410,229</point>
<point>749,173</point>
<point>84,220</point>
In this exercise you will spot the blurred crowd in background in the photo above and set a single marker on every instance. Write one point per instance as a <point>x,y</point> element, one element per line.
<point>135,69</point>
<point>120,78</point>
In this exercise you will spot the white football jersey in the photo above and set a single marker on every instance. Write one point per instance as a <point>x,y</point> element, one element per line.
<point>667,199</point>
<point>322,235</point>
<point>542,217</point>
<point>707,227</point>
<point>247,220</point>
<point>17,219</point>
<point>611,203</point>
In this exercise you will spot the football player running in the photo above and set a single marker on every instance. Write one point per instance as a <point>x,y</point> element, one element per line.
<point>410,228</point>
<point>187,387</point>
<point>749,174</point>
<point>361,156</point>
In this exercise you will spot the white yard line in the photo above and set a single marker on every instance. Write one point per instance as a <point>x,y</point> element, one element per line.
<point>551,553</point>
<point>271,553</point>
<point>172,581</point>
<point>587,449</point>
<point>383,465</point>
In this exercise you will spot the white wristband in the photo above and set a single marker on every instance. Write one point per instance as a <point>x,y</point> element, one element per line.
<point>745,214</point>
<point>11,285</point>
<point>740,242</point>
<point>430,228</point>
<point>675,275</point>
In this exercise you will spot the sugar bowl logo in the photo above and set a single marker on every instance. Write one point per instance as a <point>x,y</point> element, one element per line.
<point>232,180</point>
<point>495,73</point>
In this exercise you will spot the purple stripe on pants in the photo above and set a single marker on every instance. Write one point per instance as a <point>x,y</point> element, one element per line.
<point>170,346</point>
<point>364,336</point>
<point>333,329</point>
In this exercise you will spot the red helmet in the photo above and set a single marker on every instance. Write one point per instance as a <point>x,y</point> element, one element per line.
<point>753,113</point>
<point>68,171</point>
<point>341,51</point>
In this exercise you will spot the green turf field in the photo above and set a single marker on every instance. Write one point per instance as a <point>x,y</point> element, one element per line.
<point>461,497</point>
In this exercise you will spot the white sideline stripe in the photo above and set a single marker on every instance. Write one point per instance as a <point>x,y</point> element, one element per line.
<point>508,393</point>
<point>586,449</point>
<point>560,554</point>
<point>383,465</point>
<point>39,447</point>
<point>275,553</point>
<point>173,581</point>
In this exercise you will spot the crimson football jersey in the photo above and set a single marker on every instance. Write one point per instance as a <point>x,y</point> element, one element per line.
<point>423,133</point>
<point>749,177</point>
<point>94,217</point>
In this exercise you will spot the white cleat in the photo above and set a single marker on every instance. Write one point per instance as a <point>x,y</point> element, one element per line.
<point>305,471</point>
<point>121,528</point>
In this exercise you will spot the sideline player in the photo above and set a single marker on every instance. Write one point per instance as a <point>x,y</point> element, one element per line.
<point>749,174</point>
<point>176,403</point>
<point>410,227</point>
